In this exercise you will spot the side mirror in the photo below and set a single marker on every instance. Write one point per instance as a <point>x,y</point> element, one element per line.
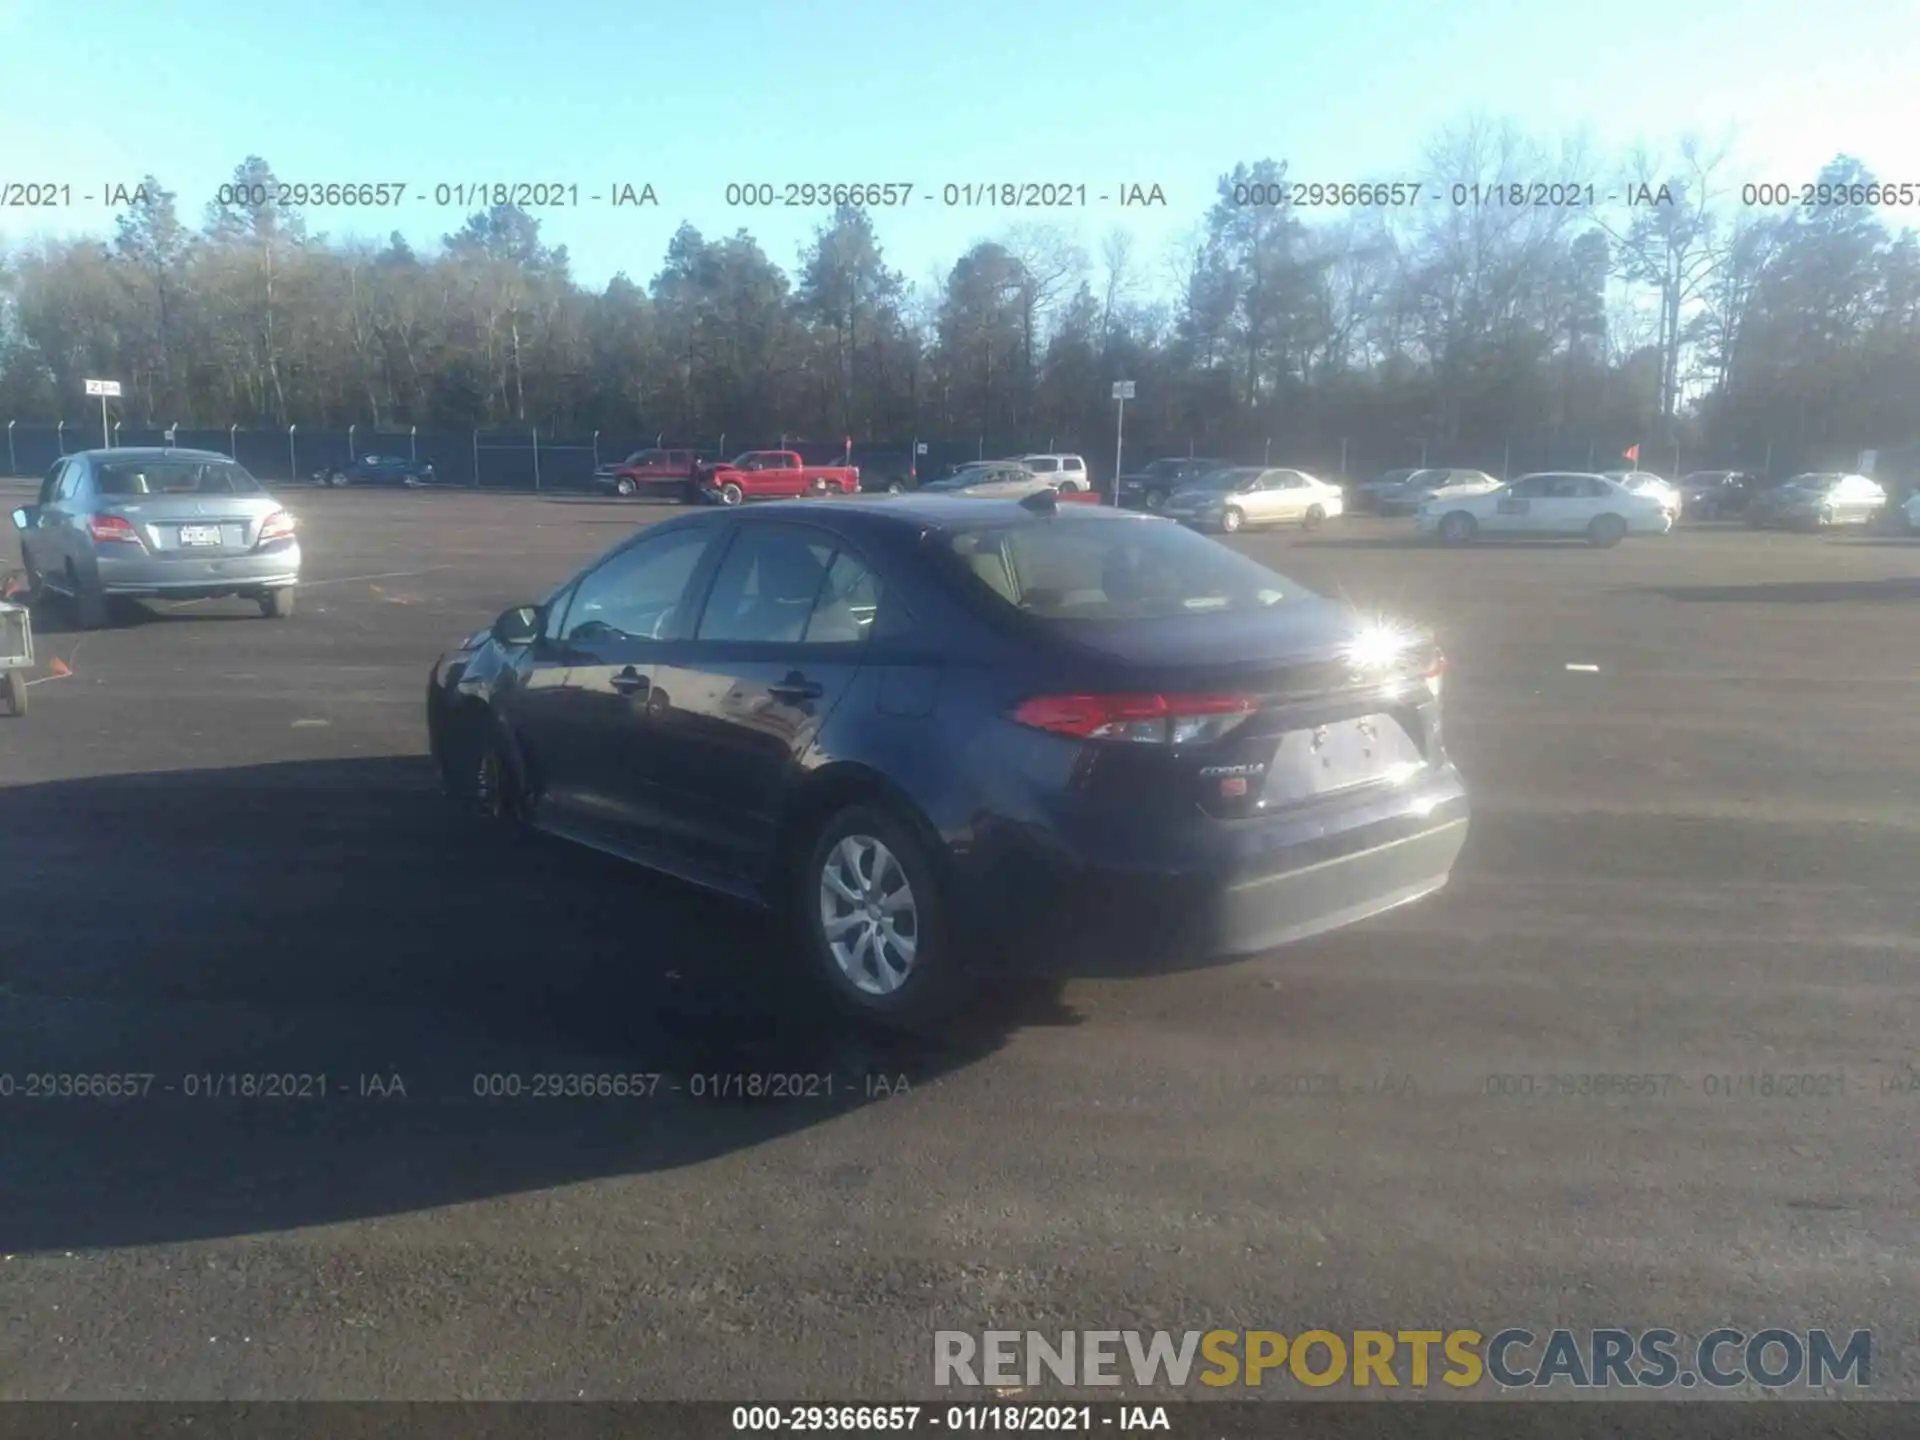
<point>518,626</point>
<point>26,517</point>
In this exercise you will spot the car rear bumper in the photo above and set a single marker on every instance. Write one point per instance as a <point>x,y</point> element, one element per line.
<point>1066,916</point>
<point>146,575</point>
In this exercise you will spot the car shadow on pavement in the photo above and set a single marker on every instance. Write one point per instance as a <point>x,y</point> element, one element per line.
<point>395,980</point>
<point>1796,592</point>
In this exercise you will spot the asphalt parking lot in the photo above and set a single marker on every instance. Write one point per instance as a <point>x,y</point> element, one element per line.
<point>221,853</point>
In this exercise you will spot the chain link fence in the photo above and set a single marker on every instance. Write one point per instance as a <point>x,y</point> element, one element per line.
<point>529,460</point>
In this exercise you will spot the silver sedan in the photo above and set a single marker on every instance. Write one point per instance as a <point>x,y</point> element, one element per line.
<point>179,524</point>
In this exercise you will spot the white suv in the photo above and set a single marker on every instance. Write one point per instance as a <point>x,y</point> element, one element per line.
<point>1070,471</point>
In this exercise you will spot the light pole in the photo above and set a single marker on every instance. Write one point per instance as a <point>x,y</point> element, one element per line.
<point>596,452</point>
<point>233,441</point>
<point>293,465</point>
<point>1122,392</point>
<point>536,459</point>
<point>413,444</point>
<point>13,465</point>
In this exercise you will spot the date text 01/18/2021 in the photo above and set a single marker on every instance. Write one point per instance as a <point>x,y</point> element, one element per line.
<point>464,194</point>
<point>962,1419</point>
<point>201,1085</point>
<point>972,195</point>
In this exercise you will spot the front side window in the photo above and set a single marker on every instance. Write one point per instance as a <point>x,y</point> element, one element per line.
<point>636,593</point>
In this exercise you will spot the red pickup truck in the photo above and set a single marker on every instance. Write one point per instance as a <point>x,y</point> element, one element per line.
<point>775,475</point>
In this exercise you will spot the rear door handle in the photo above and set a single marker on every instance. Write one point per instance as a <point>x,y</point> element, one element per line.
<point>796,687</point>
<point>629,682</point>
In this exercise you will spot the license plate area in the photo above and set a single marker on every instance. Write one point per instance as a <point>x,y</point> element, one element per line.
<point>1339,755</point>
<point>199,535</point>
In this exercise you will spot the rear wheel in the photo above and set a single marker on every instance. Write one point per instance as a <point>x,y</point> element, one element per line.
<point>873,918</point>
<point>337,480</point>
<point>1606,531</point>
<point>1231,519</point>
<point>277,604</point>
<point>89,603</point>
<point>1458,528</point>
<point>896,488</point>
<point>624,486</point>
<point>818,485</point>
<point>1315,517</point>
<point>16,693</point>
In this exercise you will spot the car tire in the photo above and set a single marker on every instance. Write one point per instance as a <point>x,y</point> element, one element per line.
<point>731,494</point>
<point>896,488</point>
<point>277,604</point>
<point>337,480</point>
<point>16,693</point>
<point>624,486</point>
<point>89,604</point>
<point>887,985</point>
<point>1153,500</point>
<point>1315,517</point>
<point>817,486</point>
<point>1606,531</point>
<point>1458,528</point>
<point>1231,519</point>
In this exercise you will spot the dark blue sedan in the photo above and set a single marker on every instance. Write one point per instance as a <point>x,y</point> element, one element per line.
<point>954,736</point>
<point>378,470</point>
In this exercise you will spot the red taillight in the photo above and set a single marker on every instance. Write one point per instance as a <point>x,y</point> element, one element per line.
<point>1142,719</point>
<point>112,527</point>
<point>277,526</point>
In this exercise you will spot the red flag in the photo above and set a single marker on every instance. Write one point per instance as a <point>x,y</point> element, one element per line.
<point>1633,454</point>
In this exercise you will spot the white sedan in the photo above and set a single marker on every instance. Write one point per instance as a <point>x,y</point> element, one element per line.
<point>1602,511</point>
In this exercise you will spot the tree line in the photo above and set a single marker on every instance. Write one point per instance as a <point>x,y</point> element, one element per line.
<point>1700,317</point>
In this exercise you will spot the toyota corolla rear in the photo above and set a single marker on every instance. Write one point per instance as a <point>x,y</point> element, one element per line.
<point>1194,757</point>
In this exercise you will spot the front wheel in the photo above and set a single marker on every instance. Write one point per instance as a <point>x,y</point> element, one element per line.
<point>1458,528</point>
<point>896,488</point>
<point>624,486</point>
<point>874,920</point>
<point>1606,531</point>
<point>1231,520</point>
<point>337,480</point>
<point>16,693</point>
<point>1154,500</point>
<point>731,494</point>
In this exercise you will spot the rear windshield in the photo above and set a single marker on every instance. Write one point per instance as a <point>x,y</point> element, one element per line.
<point>173,477</point>
<point>1114,570</point>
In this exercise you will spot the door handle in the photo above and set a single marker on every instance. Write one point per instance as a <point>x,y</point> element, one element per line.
<point>629,681</point>
<point>795,688</point>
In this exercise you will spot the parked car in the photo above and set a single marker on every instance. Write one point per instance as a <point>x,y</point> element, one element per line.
<point>1230,500</point>
<point>1070,469</point>
<point>1552,503</point>
<point>947,738</point>
<point>889,474</point>
<point>1421,486</point>
<point>378,470</point>
<point>774,475</point>
<point>1911,512</point>
<point>983,472</point>
<point>1365,495</point>
<point>1150,487</point>
<point>657,472</point>
<point>1709,494</point>
<point>172,524</point>
<point>1817,501</point>
<point>1645,482</point>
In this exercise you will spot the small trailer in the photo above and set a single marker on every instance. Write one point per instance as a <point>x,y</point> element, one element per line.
<point>16,655</point>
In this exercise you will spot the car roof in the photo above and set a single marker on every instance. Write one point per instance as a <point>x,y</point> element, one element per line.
<point>150,452</point>
<point>908,514</point>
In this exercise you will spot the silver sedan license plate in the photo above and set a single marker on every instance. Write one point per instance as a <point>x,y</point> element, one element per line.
<point>199,534</point>
<point>1338,755</point>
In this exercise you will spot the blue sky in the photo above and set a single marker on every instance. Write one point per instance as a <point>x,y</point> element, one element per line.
<point>1098,92</point>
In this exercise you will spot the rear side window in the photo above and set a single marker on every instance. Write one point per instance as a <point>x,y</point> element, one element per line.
<point>1108,570</point>
<point>1045,466</point>
<point>1073,462</point>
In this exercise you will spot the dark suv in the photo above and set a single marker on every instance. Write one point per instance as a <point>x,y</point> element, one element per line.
<point>378,470</point>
